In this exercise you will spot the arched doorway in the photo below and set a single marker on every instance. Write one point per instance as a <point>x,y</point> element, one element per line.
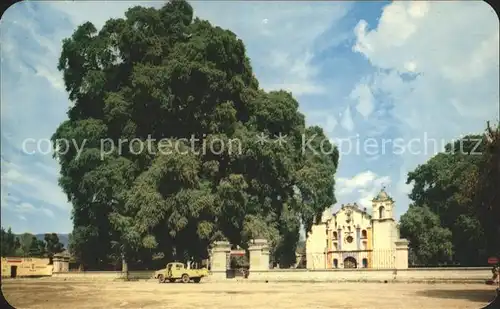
<point>350,262</point>
<point>365,263</point>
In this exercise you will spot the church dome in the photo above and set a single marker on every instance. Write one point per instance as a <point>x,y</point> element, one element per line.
<point>382,196</point>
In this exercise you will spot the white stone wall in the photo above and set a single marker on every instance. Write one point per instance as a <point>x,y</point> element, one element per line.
<point>459,275</point>
<point>315,247</point>
<point>475,274</point>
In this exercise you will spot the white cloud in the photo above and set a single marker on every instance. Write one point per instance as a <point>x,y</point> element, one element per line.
<point>48,212</point>
<point>282,47</point>
<point>331,123</point>
<point>452,50</point>
<point>363,94</point>
<point>410,66</point>
<point>12,176</point>
<point>363,186</point>
<point>34,187</point>
<point>25,208</point>
<point>459,46</point>
<point>22,209</point>
<point>347,122</point>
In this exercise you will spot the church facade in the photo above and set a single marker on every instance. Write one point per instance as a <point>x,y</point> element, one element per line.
<point>352,238</point>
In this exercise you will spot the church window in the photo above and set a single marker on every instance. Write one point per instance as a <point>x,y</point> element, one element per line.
<point>381,212</point>
<point>334,235</point>
<point>349,239</point>
<point>363,234</point>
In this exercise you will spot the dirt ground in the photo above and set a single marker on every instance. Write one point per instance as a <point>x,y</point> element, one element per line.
<point>57,293</point>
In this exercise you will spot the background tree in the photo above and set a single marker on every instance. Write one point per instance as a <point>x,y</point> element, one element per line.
<point>484,190</point>
<point>10,243</point>
<point>442,185</point>
<point>239,261</point>
<point>37,248</point>
<point>431,244</point>
<point>25,241</point>
<point>160,74</point>
<point>53,245</point>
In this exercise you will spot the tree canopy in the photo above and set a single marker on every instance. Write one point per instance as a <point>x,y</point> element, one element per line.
<point>484,190</point>
<point>454,217</point>
<point>10,243</point>
<point>185,91</point>
<point>28,245</point>
<point>52,245</point>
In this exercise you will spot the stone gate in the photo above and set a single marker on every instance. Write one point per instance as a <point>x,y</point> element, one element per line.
<point>221,254</point>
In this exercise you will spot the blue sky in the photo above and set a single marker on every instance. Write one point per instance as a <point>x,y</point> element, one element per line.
<point>373,73</point>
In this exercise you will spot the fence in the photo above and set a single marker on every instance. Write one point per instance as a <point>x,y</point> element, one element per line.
<point>371,259</point>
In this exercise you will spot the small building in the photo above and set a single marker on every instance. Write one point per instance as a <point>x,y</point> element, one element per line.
<point>13,267</point>
<point>353,238</point>
<point>61,262</point>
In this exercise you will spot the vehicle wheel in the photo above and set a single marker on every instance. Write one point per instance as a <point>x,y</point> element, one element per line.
<point>196,280</point>
<point>161,279</point>
<point>185,278</point>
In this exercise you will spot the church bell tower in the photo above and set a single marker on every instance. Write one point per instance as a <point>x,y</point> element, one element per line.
<point>383,222</point>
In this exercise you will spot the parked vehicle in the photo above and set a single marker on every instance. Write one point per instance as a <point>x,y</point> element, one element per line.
<point>177,271</point>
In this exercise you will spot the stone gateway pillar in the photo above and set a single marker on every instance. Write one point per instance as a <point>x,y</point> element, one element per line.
<point>402,254</point>
<point>60,263</point>
<point>259,254</point>
<point>220,255</point>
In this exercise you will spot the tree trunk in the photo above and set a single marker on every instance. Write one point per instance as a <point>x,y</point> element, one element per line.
<point>124,268</point>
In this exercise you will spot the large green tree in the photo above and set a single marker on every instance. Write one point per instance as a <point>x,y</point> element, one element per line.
<point>485,190</point>
<point>442,185</point>
<point>161,77</point>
